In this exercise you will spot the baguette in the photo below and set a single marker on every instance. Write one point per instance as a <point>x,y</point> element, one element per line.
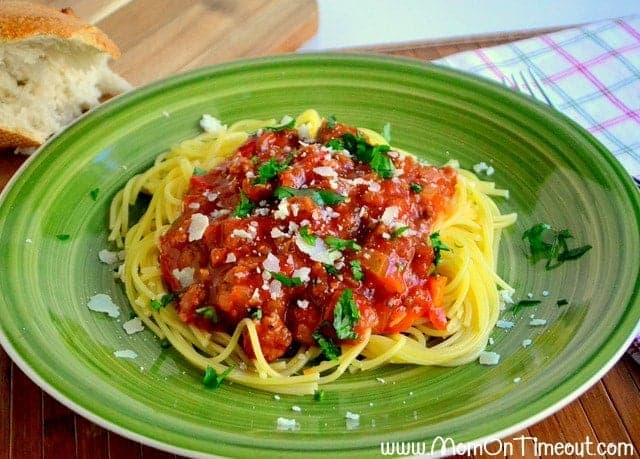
<point>53,67</point>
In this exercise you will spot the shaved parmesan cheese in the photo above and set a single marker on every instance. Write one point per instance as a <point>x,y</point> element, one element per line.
<point>504,324</point>
<point>275,289</point>
<point>242,234</point>
<point>184,276</point>
<point>302,273</point>
<point>210,195</point>
<point>197,227</point>
<point>489,358</point>
<point>211,125</point>
<point>125,354</point>
<point>103,303</point>
<point>390,215</point>
<point>526,342</point>
<point>318,251</point>
<point>194,205</point>
<point>231,258</point>
<point>108,257</point>
<point>325,171</point>
<point>283,210</point>
<point>133,326</point>
<point>304,132</point>
<point>303,304</point>
<point>271,263</point>
<point>287,424</point>
<point>277,233</point>
<point>537,322</point>
<point>219,213</point>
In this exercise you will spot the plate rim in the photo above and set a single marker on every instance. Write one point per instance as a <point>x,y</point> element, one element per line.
<point>184,77</point>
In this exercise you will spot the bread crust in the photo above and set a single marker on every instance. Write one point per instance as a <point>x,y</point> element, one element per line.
<point>17,139</point>
<point>22,20</point>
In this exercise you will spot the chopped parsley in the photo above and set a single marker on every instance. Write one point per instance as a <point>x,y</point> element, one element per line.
<point>319,395</point>
<point>289,124</point>
<point>399,232</point>
<point>375,156</point>
<point>164,301</point>
<point>244,208</point>
<point>524,304</point>
<point>198,171</point>
<point>208,312</point>
<point>286,280</point>
<point>415,188</point>
<point>270,170</point>
<point>438,247</point>
<point>63,237</point>
<point>331,270</point>
<point>386,132</point>
<point>211,380</point>
<point>165,343</point>
<point>562,302</point>
<point>545,243</point>
<point>341,244</point>
<point>326,345</point>
<point>320,197</point>
<point>331,121</point>
<point>94,193</point>
<point>307,236</point>
<point>255,313</point>
<point>345,315</point>
<point>356,270</point>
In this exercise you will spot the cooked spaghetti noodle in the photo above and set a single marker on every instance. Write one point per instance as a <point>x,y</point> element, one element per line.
<point>447,334</point>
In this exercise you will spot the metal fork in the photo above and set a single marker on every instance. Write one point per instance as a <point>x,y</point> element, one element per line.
<point>528,83</point>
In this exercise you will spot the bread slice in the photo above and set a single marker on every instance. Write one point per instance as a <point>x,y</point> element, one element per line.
<point>53,67</point>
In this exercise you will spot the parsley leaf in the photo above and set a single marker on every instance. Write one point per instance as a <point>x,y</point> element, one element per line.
<point>164,301</point>
<point>386,132</point>
<point>341,244</point>
<point>438,246</point>
<point>415,188</point>
<point>286,280</point>
<point>94,193</point>
<point>320,197</point>
<point>345,315</point>
<point>399,232</point>
<point>211,380</point>
<point>331,121</point>
<point>356,270</point>
<point>288,124</point>
<point>208,312</point>
<point>335,144</point>
<point>307,236</point>
<point>270,170</point>
<point>376,156</point>
<point>63,237</point>
<point>327,346</point>
<point>255,313</point>
<point>245,206</point>
<point>547,243</point>
<point>524,304</point>
<point>331,270</point>
<point>319,395</point>
<point>562,302</point>
<point>198,171</point>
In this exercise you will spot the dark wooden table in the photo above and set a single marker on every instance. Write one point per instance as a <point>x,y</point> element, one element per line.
<point>34,425</point>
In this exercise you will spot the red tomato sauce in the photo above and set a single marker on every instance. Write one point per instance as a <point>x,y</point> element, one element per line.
<point>224,273</point>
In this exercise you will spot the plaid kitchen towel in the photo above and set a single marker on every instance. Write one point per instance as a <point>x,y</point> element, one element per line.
<point>589,73</point>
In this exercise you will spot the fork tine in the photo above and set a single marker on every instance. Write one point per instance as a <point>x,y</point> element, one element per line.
<point>539,86</point>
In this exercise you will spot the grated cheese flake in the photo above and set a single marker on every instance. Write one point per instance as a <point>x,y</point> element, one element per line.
<point>287,424</point>
<point>102,302</point>
<point>107,256</point>
<point>489,358</point>
<point>125,354</point>
<point>184,276</point>
<point>133,326</point>
<point>197,227</point>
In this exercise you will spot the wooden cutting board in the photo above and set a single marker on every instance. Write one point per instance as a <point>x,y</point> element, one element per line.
<point>159,38</point>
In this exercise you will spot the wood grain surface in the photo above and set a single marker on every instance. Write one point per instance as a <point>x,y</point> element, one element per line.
<point>176,35</point>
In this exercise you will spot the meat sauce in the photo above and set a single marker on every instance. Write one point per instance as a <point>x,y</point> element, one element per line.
<point>223,272</point>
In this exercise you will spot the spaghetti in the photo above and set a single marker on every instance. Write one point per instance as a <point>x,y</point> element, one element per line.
<point>286,254</point>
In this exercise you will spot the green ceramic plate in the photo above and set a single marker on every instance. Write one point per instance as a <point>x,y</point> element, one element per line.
<point>556,172</point>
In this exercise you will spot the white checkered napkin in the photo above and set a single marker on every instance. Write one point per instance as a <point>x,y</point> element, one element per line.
<point>590,73</point>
